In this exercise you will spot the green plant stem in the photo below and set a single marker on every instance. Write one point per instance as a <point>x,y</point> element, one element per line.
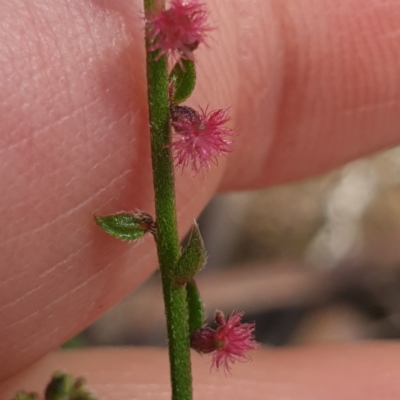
<point>168,246</point>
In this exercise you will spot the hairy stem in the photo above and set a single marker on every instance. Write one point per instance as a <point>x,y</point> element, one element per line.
<point>168,247</point>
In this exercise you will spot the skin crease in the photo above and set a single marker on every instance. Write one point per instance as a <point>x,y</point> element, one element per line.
<point>311,84</point>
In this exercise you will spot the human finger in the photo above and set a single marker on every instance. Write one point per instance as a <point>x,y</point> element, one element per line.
<point>319,85</point>
<point>75,142</point>
<point>347,371</point>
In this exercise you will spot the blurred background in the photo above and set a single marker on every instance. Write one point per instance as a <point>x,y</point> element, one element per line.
<point>311,262</point>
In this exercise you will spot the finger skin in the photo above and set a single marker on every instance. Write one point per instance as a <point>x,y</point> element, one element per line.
<point>346,372</point>
<point>310,86</point>
<point>325,89</point>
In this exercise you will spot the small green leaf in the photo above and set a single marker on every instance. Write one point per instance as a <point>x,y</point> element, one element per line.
<point>192,259</point>
<point>21,395</point>
<point>59,387</point>
<point>81,393</point>
<point>66,387</point>
<point>126,226</point>
<point>195,307</point>
<point>183,79</point>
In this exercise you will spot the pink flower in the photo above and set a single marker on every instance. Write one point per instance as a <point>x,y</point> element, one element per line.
<point>202,137</point>
<point>179,29</point>
<point>228,342</point>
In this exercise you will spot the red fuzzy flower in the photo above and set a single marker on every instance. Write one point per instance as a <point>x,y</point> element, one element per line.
<point>202,136</point>
<point>177,30</point>
<point>228,342</point>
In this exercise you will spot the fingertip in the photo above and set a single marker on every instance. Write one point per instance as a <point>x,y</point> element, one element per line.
<point>340,371</point>
<point>320,87</point>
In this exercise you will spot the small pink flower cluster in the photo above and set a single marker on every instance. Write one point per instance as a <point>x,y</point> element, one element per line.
<point>228,342</point>
<point>178,30</point>
<point>202,137</point>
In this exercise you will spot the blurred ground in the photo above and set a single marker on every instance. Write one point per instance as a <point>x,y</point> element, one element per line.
<point>314,261</point>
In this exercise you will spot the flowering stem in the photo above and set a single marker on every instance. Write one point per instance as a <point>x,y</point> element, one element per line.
<point>168,246</point>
